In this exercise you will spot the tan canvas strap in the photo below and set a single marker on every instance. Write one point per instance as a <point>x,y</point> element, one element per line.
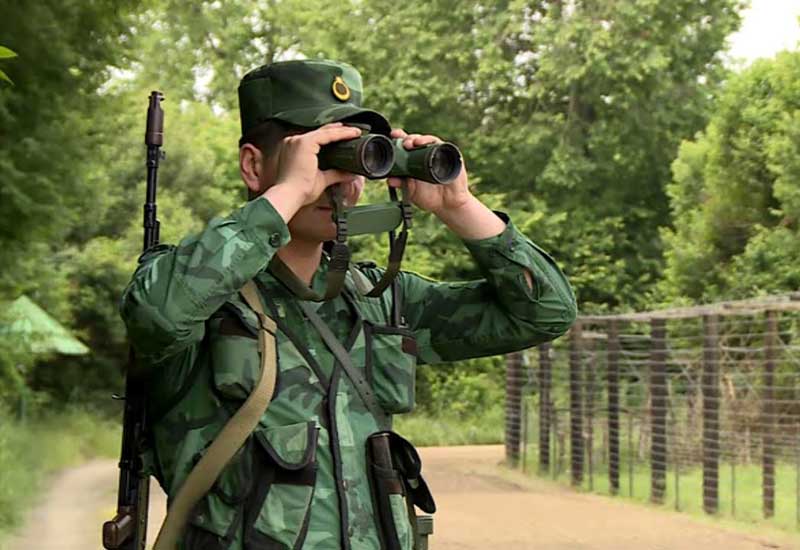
<point>231,437</point>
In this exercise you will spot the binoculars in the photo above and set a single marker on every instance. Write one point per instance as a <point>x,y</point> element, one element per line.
<point>375,156</point>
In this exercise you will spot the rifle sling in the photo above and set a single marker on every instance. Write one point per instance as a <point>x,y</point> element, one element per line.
<point>232,436</point>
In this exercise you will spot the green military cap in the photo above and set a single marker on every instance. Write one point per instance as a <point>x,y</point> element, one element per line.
<point>306,93</point>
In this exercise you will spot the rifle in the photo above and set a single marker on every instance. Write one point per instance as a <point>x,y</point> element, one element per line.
<point>128,529</point>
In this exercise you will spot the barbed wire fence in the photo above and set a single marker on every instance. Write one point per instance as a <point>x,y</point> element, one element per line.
<point>694,408</point>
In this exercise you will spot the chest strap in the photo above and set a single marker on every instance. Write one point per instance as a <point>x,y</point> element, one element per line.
<point>231,437</point>
<point>343,357</point>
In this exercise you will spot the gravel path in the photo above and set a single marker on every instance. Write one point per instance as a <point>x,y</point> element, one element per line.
<point>480,507</point>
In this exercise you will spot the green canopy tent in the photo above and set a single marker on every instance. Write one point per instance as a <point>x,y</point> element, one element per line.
<point>24,322</point>
<point>39,332</point>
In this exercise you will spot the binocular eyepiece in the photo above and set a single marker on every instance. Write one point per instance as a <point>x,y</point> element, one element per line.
<point>375,156</point>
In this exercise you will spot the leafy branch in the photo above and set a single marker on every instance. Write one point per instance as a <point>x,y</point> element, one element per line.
<point>6,53</point>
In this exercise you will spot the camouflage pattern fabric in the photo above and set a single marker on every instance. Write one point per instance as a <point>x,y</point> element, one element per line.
<point>301,479</point>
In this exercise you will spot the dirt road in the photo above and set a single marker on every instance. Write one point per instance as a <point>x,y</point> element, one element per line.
<point>480,507</point>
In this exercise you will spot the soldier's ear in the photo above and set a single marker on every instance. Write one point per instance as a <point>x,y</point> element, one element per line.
<point>251,166</point>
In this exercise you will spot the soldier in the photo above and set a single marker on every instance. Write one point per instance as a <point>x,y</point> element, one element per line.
<point>301,480</point>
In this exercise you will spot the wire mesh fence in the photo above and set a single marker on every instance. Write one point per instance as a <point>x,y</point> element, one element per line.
<point>695,409</point>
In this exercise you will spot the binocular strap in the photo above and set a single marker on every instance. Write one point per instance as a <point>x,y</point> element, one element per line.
<point>340,256</point>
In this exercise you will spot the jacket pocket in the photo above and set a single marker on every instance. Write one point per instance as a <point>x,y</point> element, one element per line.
<point>216,519</point>
<point>281,511</point>
<point>391,360</point>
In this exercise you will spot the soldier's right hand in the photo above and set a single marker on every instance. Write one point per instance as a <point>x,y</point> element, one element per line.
<point>298,166</point>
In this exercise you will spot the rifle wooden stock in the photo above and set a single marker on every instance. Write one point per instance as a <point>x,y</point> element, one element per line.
<point>118,530</point>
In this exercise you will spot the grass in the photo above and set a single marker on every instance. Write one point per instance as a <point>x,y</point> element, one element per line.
<point>426,430</point>
<point>740,489</point>
<point>31,451</point>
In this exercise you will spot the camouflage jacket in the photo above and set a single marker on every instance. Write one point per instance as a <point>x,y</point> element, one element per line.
<point>300,481</point>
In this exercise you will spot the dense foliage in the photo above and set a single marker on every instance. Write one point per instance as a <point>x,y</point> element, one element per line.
<point>736,191</point>
<point>570,115</point>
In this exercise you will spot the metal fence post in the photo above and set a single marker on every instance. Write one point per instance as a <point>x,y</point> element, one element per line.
<point>612,379</point>
<point>545,381</point>
<point>589,367</point>
<point>631,455</point>
<point>768,410</point>
<point>513,407</point>
<point>797,481</point>
<point>709,387</point>
<point>575,405</point>
<point>658,409</point>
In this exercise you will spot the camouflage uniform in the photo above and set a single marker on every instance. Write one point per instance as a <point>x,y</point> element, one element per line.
<point>300,481</point>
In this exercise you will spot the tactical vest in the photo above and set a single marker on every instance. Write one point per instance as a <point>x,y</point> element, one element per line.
<point>309,449</point>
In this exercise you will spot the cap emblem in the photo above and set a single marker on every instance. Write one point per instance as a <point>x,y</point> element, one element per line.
<point>340,89</point>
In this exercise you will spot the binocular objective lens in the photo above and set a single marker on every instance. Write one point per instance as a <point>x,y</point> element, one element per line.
<point>377,156</point>
<point>445,163</point>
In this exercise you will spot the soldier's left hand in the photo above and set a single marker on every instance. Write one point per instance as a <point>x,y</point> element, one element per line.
<point>427,196</point>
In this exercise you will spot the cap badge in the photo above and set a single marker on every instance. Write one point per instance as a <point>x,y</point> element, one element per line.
<point>340,89</point>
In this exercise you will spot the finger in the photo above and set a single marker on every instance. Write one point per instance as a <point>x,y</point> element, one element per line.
<point>410,189</point>
<point>419,141</point>
<point>398,133</point>
<point>329,135</point>
<point>358,184</point>
<point>408,141</point>
<point>395,182</point>
<point>352,190</point>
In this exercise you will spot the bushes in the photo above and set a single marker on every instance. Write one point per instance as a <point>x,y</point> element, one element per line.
<point>457,404</point>
<point>32,450</point>
<point>424,429</point>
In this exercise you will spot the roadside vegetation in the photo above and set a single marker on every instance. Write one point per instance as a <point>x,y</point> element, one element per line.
<point>32,450</point>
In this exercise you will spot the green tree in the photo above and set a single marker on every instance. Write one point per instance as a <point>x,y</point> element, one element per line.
<point>54,119</point>
<point>68,47</point>
<point>734,195</point>
<point>570,111</point>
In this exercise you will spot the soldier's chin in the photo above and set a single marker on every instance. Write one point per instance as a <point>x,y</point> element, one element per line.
<point>327,230</point>
<point>308,229</point>
<point>319,234</point>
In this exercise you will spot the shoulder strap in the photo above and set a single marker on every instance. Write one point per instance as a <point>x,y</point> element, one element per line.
<point>231,437</point>
<point>359,382</point>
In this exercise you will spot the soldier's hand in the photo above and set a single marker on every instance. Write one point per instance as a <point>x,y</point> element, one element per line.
<point>427,196</point>
<point>298,166</point>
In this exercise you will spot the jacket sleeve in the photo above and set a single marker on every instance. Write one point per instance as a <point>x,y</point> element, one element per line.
<point>497,314</point>
<point>175,289</point>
